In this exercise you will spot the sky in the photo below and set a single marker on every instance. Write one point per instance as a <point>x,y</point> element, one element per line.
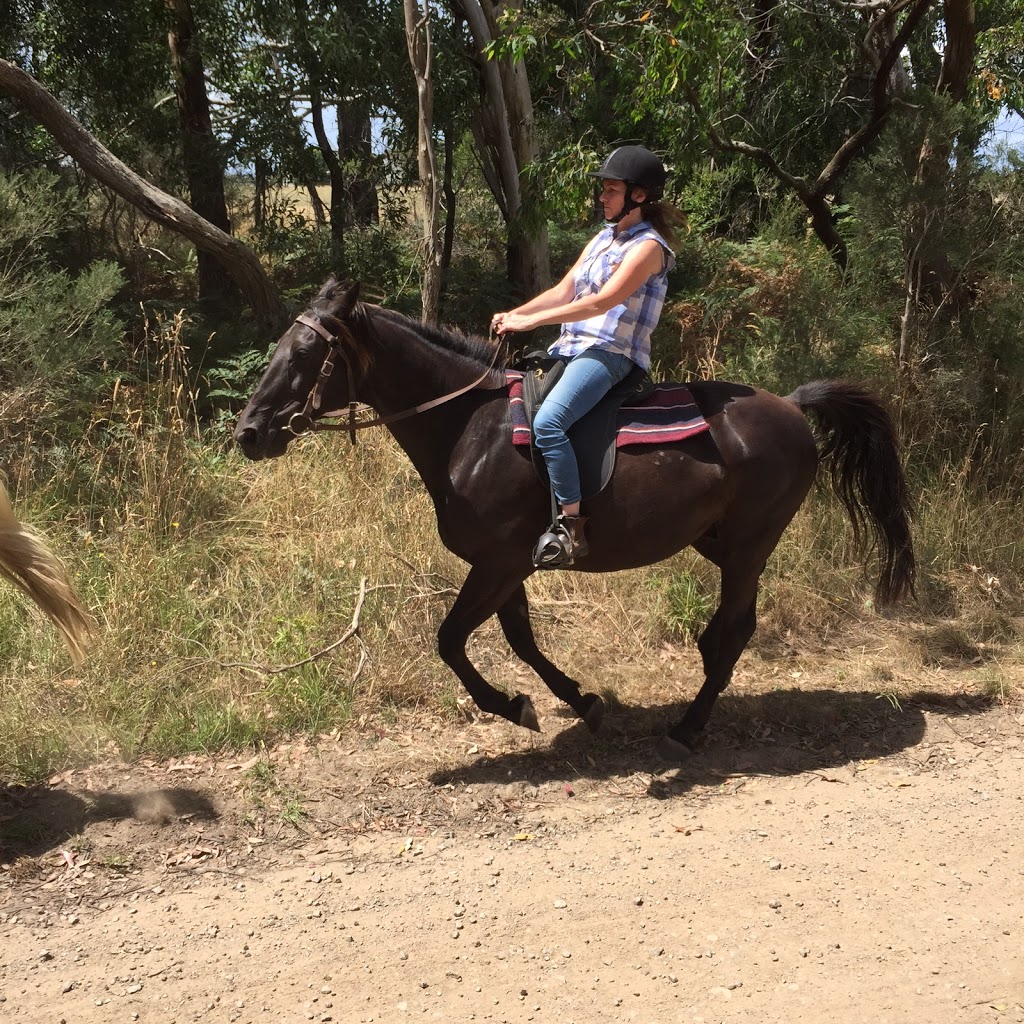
<point>1009,131</point>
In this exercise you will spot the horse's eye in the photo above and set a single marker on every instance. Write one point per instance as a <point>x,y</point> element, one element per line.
<point>300,355</point>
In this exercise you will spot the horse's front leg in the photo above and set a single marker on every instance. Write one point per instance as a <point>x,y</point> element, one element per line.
<point>514,616</point>
<point>483,593</point>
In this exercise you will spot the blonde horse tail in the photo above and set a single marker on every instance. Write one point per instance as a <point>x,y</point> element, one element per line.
<point>27,562</point>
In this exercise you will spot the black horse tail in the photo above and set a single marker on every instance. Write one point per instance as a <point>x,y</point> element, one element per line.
<point>859,445</point>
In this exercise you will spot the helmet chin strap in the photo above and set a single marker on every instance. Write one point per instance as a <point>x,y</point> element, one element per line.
<point>629,204</point>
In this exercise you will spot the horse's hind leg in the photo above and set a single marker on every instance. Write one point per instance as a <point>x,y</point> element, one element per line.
<point>720,645</point>
<point>482,594</point>
<point>514,616</point>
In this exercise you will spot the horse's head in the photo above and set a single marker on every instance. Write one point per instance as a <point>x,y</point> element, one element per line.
<point>299,385</point>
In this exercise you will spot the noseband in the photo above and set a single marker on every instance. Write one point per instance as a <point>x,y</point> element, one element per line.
<point>304,422</point>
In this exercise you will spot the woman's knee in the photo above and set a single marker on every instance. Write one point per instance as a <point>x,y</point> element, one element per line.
<point>548,426</point>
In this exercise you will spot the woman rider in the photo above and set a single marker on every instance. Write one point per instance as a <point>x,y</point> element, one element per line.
<point>608,304</point>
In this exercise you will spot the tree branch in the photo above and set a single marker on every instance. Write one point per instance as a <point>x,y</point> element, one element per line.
<point>172,213</point>
<point>814,195</point>
<point>881,104</point>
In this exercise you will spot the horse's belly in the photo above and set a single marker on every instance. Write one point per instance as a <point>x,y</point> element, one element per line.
<point>656,504</point>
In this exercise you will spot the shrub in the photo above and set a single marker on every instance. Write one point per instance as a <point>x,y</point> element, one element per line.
<point>53,325</point>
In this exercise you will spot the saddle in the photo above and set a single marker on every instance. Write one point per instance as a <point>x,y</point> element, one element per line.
<point>592,436</point>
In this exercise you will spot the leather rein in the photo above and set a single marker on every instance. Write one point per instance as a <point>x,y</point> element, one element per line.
<point>304,422</point>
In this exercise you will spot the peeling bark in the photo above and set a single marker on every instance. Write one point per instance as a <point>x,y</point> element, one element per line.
<point>421,56</point>
<point>507,144</point>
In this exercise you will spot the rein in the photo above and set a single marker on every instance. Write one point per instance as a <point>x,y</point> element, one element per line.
<point>304,422</point>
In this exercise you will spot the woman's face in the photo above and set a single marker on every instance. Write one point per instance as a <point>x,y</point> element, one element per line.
<point>613,197</point>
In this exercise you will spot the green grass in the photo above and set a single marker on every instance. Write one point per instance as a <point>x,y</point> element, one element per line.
<point>293,813</point>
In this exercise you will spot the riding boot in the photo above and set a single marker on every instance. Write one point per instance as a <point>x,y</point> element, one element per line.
<point>563,543</point>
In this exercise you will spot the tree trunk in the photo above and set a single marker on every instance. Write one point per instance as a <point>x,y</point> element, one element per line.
<point>954,79</point>
<point>204,169</point>
<point>337,176</point>
<point>259,199</point>
<point>934,169</point>
<point>316,203</point>
<point>421,56</point>
<point>172,213</point>
<point>449,201</point>
<point>313,70</point>
<point>355,146</point>
<point>507,146</point>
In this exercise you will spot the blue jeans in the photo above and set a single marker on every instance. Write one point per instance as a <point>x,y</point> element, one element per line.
<point>587,378</point>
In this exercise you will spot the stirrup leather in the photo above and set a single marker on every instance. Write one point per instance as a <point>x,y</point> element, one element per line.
<point>562,544</point>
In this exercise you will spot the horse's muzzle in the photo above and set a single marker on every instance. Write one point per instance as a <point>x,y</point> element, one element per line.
<point>256,445</point>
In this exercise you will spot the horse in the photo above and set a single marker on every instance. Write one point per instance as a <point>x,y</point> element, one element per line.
<point>729,492</point>
<point>27,562</point>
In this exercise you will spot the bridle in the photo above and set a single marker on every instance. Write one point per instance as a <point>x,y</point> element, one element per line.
<point>304,422</point>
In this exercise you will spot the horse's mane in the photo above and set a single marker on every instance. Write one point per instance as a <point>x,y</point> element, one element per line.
<point>480,351</point>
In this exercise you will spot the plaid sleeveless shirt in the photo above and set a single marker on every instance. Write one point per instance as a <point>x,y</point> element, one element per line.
<point>625,328</point>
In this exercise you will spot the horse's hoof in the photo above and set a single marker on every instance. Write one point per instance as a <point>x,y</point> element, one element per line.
<point>593,711</point>
<point>523,713</point>
<point>674,750</point>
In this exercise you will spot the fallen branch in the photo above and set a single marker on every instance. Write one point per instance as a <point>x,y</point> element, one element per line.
<point>352,631</point>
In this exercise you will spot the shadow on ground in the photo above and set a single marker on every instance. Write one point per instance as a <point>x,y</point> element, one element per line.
<point>784,732</point>
<point>383,788</point>
<point>38,819</point>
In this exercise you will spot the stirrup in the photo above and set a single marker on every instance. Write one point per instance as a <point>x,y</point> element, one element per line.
<point>562,544</point>
<point>553,550</point>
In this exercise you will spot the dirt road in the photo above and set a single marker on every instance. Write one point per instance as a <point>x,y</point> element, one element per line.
<point>828,856</point>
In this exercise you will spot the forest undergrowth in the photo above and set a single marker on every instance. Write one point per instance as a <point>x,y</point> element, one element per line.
<point>228,593</point>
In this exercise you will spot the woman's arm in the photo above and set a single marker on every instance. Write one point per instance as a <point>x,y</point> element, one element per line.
<point>641,262</point>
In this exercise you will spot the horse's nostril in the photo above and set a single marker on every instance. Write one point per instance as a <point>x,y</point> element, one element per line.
<point>245,435</point>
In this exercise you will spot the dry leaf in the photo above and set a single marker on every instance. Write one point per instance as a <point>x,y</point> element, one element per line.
<point>246,765</point>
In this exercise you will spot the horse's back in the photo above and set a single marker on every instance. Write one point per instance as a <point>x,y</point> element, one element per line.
<point>749,423</point>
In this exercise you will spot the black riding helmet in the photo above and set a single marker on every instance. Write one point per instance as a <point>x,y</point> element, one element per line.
<point>635,165</point>
<point>638,167</point>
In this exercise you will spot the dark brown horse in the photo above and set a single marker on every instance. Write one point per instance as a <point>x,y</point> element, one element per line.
<point>730,492</point>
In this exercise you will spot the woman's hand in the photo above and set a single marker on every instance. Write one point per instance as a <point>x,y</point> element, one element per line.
<point>511,323</point>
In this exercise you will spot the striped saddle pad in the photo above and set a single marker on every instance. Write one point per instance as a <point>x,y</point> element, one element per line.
<point>667,414</point>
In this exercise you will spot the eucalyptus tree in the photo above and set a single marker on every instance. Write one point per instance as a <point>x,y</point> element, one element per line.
<point>802,91</point>
<point>116,68</point>
<point>282,63</point>
<point>506,139</point>
<point>107,64</point>
<point>98,161</point>
<point>419,38</point>
<point>202,155</point>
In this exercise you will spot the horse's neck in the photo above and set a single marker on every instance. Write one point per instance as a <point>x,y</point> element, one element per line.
<point>408,371</point>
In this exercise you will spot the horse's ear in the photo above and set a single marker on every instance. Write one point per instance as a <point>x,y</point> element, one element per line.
<point>343,298</point>
<point>328,286</point>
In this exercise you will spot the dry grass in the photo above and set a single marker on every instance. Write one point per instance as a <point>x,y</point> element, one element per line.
<point>204,571</point>
<point>289,200</point>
